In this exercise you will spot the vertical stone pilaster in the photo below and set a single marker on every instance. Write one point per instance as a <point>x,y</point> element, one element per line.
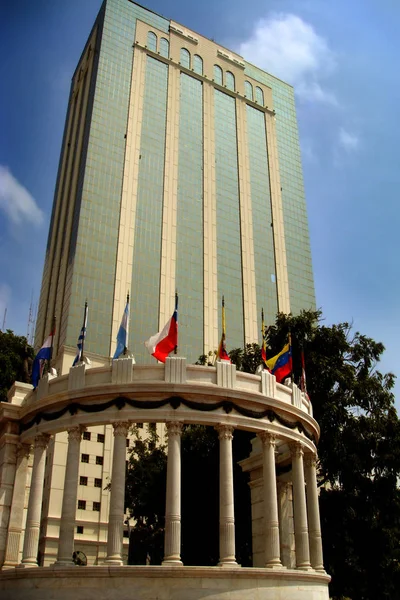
<point>32,530</point>
<point>300,508</point>
<point>172,542</point>
<point>286,525</point>
<point>117,495</point>
<point>226,502</point>
<point>68,511</point>
<point>271,521</point>
<point>12,543</point>
<point>314,525</point>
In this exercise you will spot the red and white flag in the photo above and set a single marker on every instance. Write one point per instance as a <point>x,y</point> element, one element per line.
<point>165,341</point>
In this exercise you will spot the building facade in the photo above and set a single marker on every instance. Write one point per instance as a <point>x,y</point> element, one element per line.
<point>180,169</point>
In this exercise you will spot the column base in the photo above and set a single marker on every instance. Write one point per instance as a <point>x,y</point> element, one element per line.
<point>275,566</point>
<point>113,562</point>
<point>228,563</point>
<point>64,563</point>
<point>27,566</point>
<point>305,568</point>
<point>171,562</point>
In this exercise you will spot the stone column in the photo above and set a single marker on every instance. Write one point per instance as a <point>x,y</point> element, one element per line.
<point>300,508</point>
<point>68,511</point>
<point>17,507</point>
<point>314,525</point>
<point>271,521</point>
<point>172,541</point>
<point>117,495</point>
<point>226,506</point>
<point>32,530</point>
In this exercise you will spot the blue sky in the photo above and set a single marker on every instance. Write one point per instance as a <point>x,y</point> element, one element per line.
<point>342,58</point>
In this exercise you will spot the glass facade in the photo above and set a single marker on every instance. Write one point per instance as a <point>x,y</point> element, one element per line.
<point>189,231</point>
<point>147,247</point>
<point>229,258</point>
<point>264,255</point>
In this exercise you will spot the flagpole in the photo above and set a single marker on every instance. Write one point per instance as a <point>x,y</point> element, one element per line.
<point>53,330</point>
<point>176,309</point>
<point>290,350</point>
<point>84,329</point>
<point>127,327</point>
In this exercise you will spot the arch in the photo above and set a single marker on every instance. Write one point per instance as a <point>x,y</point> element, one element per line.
<point>164,47</point>
<point>259,95</point>
<point>248,90</point>
<point>185,58</point>
<point>217,74</point>
<point>152,41</point>
<point>230,81</point>
<point>198,64</point>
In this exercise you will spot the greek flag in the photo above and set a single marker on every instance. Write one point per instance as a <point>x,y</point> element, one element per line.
<point>81,340</point>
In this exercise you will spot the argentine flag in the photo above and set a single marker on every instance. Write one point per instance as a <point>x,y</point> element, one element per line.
<point>122,336</point>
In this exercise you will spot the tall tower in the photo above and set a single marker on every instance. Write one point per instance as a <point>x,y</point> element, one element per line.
<point>180,169</point>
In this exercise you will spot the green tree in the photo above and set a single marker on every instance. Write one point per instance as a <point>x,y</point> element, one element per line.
<point>15,361</point>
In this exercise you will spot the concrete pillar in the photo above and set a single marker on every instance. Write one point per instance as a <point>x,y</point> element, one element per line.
<point>117,495</point>
<point>17,507</point>
<point>314,525</point>
<point>172,542</point>
<point>300,508</point>
<point>8,463</point>
<point>226,505</point>
<point>271,521</point>
<point>286,525</point>
<point>68,511</point>
<point>32,530</point>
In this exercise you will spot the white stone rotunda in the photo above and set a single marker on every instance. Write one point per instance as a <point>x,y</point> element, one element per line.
<point>287,546</point>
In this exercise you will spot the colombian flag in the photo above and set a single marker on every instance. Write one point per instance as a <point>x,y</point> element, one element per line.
<point>281,364</point>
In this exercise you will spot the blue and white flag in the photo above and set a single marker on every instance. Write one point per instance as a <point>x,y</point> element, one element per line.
<point>81,339</point>
<point>122,336</point>
<point>40,358</point>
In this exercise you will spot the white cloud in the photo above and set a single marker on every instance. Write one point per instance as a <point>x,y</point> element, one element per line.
<point>16,201</point>
<point>290,48</point>
<point>349,141</point>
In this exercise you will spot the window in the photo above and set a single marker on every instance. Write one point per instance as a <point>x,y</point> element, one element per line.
<point>198,64</point>
<point>152,41</point>
<point>248,90</point>
<point>217,74</point>
<point>140,425</point>
<point>126,533</point>
<point>230,81</point>
<point>82,480</point>
<point>100,438</point>
<point>82,504</point>
<point>98,482</point>
<point>127,443</point>
<point>79,529</point>
<point>153,427</point>
<point>185,58</point>
<point>259,96</point>
<point>85,458</point>
<point>96,506</point>
<point>164,47</point>
<point>86,435</point>
<point>99,460</point>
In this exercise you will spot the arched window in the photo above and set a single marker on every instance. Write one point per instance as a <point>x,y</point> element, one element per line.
<point>248,90</point>
<point>230,81</point>
<point>185,58</point>
<point>198,64</point>
<point>152,41</point>
<point>164,47</point>
<point>217,74</point>
<point>259,96</point>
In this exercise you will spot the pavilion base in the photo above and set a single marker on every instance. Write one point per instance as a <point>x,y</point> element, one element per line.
<point>161,583</point>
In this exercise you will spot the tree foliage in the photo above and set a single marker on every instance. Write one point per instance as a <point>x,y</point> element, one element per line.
<point>15,361</point>
<point>359,459</point>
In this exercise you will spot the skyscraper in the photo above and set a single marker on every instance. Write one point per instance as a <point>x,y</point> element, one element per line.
<point>180,169</point>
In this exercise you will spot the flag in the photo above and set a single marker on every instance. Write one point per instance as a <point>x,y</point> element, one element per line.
<point>81,339</point>
<point>166,340</point>
<point>264,342</point>
<point>222,353</point>
<point>122,336</point>
<point>281,364</point>
<point>44,354</point>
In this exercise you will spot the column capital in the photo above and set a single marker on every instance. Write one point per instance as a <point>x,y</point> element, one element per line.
<point>225,432</point>
<point>174,428</point>
<point>310,459</point>
<point>41,440</point>
<point>296,449</point>
<point>24,450</point>
<point>75,433</point>
<point>121,428</point>
<point>267,438</point>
